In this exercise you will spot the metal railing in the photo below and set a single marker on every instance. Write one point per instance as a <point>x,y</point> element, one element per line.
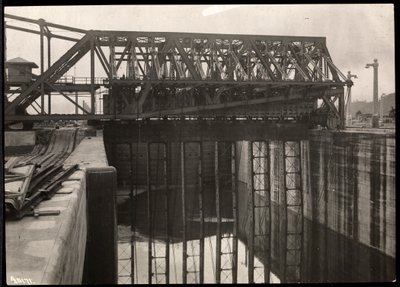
<point>82,80</point>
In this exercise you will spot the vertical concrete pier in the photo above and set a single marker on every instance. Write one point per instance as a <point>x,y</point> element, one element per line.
<point>101,248</point>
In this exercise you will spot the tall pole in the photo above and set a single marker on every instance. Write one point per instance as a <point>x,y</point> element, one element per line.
<point>375,115</point>
<point>92,95</point>
<point>41,67</point>
<point>76,94</point>
<point>348,104</point>
<point>48,67</point>
<point>376,106</point>
<point>184,243</point>
<point>5,52</point>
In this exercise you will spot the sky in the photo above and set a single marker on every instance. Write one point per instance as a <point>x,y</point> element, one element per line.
<point>355,33</point>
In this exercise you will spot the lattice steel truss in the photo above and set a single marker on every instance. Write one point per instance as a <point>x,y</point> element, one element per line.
<point>226,183</point>
<point>193,255</point>
<point>195,74</point>
<point>157,191</point>
<point>259,240</point>
<point>294,211</point>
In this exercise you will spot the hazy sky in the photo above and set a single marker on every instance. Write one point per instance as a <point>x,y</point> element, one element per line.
<point>356,33</point>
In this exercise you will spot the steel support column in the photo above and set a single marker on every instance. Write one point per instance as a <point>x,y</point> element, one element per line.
<point>132,199</point>
<point>342,117</point>
<point>166,167</point>
<point>42,68</point>
<point>218,213</point>
<point>261,209</point>
<point>235,191</point>
<point>267,269</point>
<point>76,101</point>
<point>184,250</point>
<point>48,66</point>
<point>92,74</point>
<point>293,194</point>
<point>201,209</point>
<point>250,239</point>
<point>149,215</point>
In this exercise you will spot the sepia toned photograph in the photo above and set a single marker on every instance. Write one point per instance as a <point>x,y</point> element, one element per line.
<point>199,144</point>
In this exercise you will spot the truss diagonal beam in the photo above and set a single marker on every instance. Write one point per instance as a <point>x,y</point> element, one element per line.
<point>334,68</point>
<point>127,47</point>
<point>187,61</point>
<point>104,65</point>
<point>318,69</point>
<point>263,61</point>
<point>331,106</point>
<point>42,22</point>
<point>103,59</point>
<point>38,33</point>
<point>68,98</point>
<point>277,65</point>
<point>47,74</point>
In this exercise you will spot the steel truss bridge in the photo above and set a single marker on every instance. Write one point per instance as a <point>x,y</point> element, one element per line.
<point>185,75</point>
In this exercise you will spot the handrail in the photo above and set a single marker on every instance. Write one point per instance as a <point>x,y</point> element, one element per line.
<point>81,80</point>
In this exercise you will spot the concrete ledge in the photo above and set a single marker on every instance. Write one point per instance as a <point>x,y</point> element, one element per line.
<point>50,250</point>
<point>19,142</point>
<point>19,138</point>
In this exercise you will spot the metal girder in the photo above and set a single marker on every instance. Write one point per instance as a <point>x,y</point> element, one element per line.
<point>65,96</point>
<point>143,97</point>
<point>127,47</point>
<point>258,83</point>
<point>331,105</point>
<point>210,36</point>
<point>206,130</point>
<point>57,117</point>
<point>42,22</point>
<point>187,61</point>
<point>38,33</point>
<point>281,102</point>
<point>201,108</point>
<point>103,61</point>
<point>188,65</point>
<point>315,65</point>
<point>47,74</point>
<point>334,68</point>
<point>263,61</point>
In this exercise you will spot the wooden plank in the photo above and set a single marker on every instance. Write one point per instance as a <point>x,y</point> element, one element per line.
<point>11,163</point>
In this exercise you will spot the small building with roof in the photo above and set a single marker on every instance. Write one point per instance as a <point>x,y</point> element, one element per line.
<point>19,70</point>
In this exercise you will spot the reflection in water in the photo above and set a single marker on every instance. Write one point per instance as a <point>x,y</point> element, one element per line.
<point>327,256</point>
<point>224,230</point>
<point>141,272</point>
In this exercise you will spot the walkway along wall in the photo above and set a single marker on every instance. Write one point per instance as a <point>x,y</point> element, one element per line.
<point>51,249</point>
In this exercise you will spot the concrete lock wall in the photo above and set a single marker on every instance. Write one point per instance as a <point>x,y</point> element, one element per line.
<point>348,183</point>
<point>19,138</point>
<point>352,186</point>
<point>119,156</point>
<point>19,142</point>
<point>336,177</point>
<point>348,180</point>
<point>50,250</point>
